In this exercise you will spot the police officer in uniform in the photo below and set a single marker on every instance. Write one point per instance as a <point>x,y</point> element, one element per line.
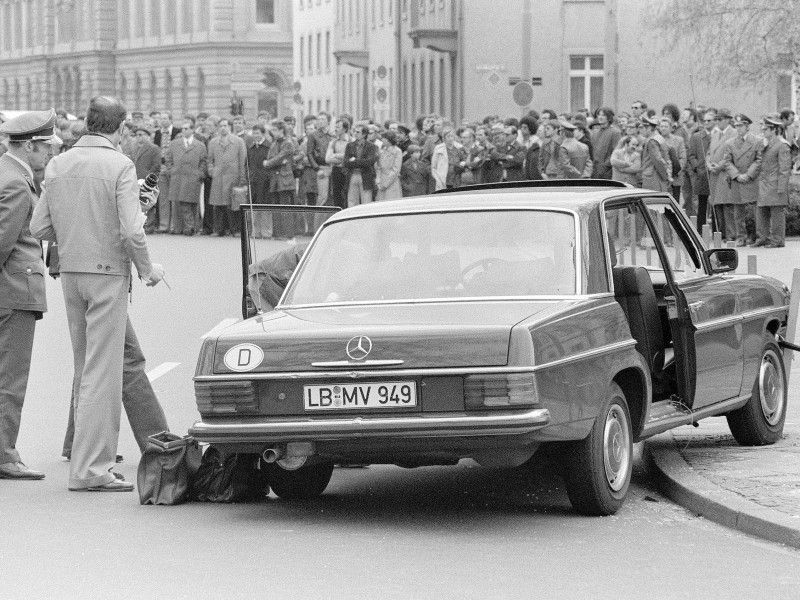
<point>22,290</point>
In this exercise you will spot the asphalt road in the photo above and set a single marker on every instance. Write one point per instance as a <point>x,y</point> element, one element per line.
<point>381,532</point>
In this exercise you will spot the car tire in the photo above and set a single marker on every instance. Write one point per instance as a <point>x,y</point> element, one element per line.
<point>760,421</point>
<point>304,483</point>
<point>597,469</point>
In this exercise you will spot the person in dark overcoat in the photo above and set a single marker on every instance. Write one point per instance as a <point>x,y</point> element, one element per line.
<point>696,165</point>
<point>258,176</point>
<point>773,186</point>
<point>146,158</point>
<point>282,184</point>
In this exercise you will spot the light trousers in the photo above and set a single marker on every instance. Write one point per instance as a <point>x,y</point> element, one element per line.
<point>97,313</point>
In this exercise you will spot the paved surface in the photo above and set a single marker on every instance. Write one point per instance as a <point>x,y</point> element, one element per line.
<point>383,532</point>
<point>756,490</point>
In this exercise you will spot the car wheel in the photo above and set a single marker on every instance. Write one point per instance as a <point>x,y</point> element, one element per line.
<point>760,421</point>
<point>301,484</point>
<point>597,470</point>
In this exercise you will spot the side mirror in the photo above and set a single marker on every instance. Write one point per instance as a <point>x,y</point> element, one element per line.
<point>722,260</point>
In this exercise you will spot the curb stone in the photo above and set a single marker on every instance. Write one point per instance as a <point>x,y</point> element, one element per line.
<point>686,487</point>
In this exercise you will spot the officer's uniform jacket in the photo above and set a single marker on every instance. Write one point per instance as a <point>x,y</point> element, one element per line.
<point>776,168</point>
<point>743,157</point>
<point>573,160</point>
<point>22,271</point>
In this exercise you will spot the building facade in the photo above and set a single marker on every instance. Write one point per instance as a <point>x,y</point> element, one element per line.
<point>405,58</point>
<point>180,55</point>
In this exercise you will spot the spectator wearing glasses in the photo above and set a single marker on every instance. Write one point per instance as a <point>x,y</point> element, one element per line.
<point>638,109</point>
<point>696,165</point>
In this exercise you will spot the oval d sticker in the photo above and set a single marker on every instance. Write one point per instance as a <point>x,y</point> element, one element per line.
<point>243,357</point>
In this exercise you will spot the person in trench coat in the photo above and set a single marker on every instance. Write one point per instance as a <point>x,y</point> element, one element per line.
<point>227,155</point>
<point>724,219</point>
<point>773,184</point>
<point>186,165</point>
<point>742,163</point>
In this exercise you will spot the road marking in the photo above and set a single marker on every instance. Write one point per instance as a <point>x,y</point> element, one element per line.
<point>220,326</point>
<point>161,369</point>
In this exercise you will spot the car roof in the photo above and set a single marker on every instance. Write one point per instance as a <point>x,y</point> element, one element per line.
<point>575,198</point>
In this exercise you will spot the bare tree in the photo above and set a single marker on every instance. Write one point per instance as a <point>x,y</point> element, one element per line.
<point>738,40</point>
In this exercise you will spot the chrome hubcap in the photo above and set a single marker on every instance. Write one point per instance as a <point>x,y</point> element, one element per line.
<point>616,448</point>
<point>771,388</point>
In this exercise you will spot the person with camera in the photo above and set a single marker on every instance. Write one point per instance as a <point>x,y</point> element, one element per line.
<point>90,206</point>
<point>31,138</point>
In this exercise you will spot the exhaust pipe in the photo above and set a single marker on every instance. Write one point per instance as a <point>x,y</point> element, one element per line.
<point>272,455</point>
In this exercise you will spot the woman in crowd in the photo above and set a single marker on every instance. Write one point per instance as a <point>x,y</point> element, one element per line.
<point>389,164</point>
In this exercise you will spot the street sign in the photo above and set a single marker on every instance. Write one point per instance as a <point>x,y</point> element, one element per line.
<point>382,72</point>
<point>298,99</point>
<point>523,93</point>
<point>297,86</point>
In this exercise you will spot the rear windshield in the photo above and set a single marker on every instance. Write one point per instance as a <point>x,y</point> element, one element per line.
<point>439,256</point>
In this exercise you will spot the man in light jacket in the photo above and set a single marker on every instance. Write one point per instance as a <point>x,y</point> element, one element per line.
<point>742,161</point>
<point>90,206</point>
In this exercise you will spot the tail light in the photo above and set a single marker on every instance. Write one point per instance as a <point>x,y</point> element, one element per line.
<point>225,396</point>
<point>500,390</point>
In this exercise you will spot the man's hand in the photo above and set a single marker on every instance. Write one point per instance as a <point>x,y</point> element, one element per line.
<point>156,275</point>
<point>148,200</point>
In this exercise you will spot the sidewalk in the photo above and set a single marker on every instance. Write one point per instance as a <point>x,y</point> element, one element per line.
<point>754,490</point>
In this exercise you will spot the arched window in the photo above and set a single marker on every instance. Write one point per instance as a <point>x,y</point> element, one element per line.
<point>269,95</point>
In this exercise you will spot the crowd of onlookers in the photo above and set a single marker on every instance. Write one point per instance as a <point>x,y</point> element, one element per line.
<point>722,168</point>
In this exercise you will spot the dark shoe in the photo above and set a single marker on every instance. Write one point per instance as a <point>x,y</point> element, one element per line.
<point>119,458</point>
<point>18,470</point>
<point>758,243</point>
<point>217,234</point>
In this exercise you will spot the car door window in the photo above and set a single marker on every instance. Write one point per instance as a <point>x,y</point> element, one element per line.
<point>682,255</point>
<point>629,239</point>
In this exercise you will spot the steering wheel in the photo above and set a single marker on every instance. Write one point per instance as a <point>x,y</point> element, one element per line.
<point>483,263</point>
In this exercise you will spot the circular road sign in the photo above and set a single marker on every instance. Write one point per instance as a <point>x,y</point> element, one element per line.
<point>381,95</point>
<point>381,71</point>
<point>298,99</point>
<point>523,93</point>
<point>297,86</point>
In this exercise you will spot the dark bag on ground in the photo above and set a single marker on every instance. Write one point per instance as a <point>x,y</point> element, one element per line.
<point>229,478</point>
<point>167,468</point>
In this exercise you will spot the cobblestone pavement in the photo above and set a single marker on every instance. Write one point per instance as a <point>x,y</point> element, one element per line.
<point>768,476</point>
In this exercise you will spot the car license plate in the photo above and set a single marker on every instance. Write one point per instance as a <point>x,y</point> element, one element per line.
<point>346,396</point>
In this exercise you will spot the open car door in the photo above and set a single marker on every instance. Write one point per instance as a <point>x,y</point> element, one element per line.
<point>274,238</point>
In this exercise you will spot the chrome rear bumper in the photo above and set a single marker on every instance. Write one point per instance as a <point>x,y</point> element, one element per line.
<point>442,426</point>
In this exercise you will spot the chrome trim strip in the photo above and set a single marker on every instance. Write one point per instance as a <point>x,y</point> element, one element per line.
<point>354,427</point>
<point>662,424</point>
<point>364,363</point>
<point>589,353</point>
<point>760,312</point>
<point>717,323</point>
<point>420,372</point>
<point>473,299</point>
